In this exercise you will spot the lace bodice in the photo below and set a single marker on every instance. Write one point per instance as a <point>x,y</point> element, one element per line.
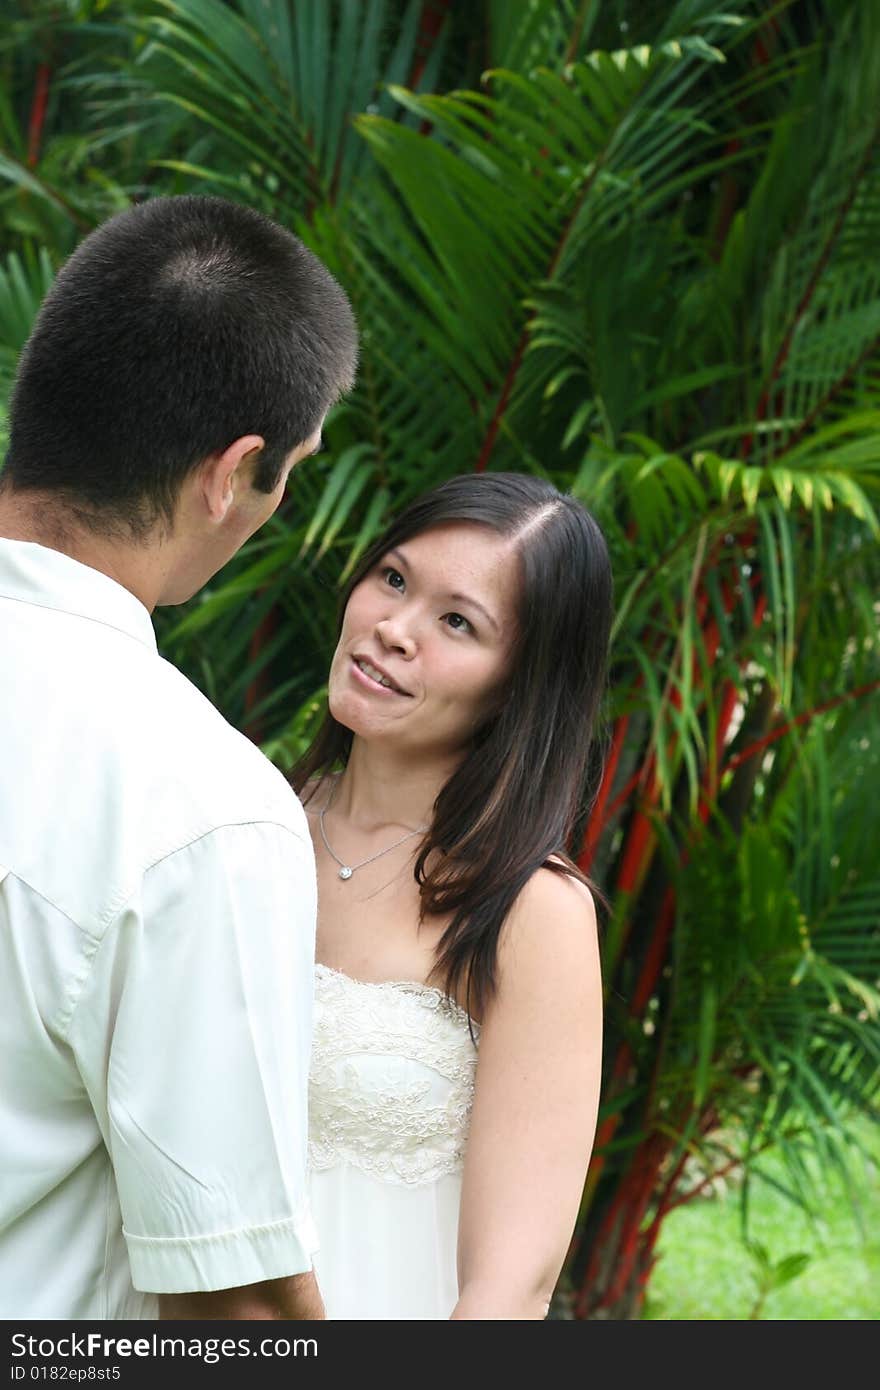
<point>392,1078</point>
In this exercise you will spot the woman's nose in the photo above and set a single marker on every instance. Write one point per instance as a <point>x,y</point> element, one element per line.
<point>395,636</point>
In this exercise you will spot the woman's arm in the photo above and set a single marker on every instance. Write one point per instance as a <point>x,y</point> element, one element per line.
<point>534,1115</point>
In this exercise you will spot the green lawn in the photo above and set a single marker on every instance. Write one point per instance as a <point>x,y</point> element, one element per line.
<point>704,1271</point>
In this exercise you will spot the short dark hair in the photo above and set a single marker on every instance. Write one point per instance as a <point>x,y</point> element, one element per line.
<point>176,327</point>
<point>512,804</point>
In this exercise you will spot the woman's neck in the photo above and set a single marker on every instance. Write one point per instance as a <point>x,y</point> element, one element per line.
<point>377,789</point>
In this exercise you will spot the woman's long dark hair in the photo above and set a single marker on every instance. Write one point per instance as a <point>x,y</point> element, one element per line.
<point>516,797</point>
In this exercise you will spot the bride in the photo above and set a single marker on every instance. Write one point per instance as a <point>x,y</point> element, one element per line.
<point>456,1064</point>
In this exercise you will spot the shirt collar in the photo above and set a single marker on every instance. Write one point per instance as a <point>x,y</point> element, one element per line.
<point>35,574</point>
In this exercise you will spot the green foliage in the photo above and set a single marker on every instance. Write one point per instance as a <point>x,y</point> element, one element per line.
<point>704,1269</point>
<point>777,936</point>
<point>631,247</point>
<point>772,1274</point>
<point>24,280</point>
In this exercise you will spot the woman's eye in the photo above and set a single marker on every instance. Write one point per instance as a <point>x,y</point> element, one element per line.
<point>393,578</point>
<point>458,622</point>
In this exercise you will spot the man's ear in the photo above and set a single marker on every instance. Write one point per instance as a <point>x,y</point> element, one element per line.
<point>221,475</point>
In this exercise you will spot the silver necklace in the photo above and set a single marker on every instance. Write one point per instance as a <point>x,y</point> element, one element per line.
<point>346,870</point>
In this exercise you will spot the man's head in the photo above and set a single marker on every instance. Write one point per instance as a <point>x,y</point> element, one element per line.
<point>184,335</point>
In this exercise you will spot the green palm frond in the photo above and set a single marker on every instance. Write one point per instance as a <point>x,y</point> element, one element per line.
<point>784,965</point>
<point>277,85</point>
<point>513,182</point>
<point>24,279</point>
<point>804,235</point>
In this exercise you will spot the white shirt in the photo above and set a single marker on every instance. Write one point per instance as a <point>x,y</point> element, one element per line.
<point>157,915</point>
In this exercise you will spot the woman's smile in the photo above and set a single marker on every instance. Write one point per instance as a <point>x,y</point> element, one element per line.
<point>374,678</point>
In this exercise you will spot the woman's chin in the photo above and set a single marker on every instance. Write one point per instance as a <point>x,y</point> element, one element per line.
<point>345,711</point>
<point>341,713</point>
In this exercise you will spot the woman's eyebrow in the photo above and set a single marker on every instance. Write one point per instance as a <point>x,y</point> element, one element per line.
<point>474,603</point>
<point>401,559</point>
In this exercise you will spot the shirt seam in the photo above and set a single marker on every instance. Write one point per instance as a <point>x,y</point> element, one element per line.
<point>116,908</point>
<point>143,641</point>
<point>108,1242</point>
<point>32,888</point>
<point>96,937</point>
<point>94,940</point>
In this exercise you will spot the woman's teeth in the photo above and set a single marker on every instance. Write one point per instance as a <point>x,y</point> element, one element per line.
<point>374,675</point>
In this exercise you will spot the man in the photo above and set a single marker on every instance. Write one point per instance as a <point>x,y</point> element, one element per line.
<point>157,890</point>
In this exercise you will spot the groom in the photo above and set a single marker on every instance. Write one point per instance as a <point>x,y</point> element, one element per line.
<point>157,890</point>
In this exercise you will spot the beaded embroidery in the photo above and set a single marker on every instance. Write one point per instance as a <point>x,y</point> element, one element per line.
<point>392,1078</point>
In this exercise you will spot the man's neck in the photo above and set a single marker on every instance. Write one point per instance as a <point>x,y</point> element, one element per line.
<point>32,517</point>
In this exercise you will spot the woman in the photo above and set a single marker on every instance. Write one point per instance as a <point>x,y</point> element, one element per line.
<point>455,1072</point>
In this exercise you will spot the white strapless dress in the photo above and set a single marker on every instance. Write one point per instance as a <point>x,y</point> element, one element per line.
<point>392,1081</point>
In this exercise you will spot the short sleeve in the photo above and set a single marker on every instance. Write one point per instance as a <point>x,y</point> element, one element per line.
<point>193,1035</point>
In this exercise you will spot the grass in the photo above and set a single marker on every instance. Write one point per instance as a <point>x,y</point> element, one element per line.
<point>704,1270</point>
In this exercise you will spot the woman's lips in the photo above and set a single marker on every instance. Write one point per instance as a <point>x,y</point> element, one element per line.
<point>368,683</point>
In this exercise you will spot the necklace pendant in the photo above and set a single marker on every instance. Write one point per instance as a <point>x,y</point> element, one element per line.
<point>345,871</point>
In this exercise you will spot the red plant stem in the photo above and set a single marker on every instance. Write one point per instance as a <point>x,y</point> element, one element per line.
<point>655,957</point>
<point>597,818</point>
<point>767,395</point>
<point>645,986</point>
<point>728,196</point>
<point>727,201</point>
<point>666,1199</point>
<point>38,114</point>
<point>507,388</point>
<point>642,1173</point>
<point>653,962</point>
<point>683,1198</point>
<point>807,423</point>
<point>633,861</point>
<point>431,21</point>
<point>624,794</point>
<point>637,851</point>
<point>577,31</point>
<point>650,972</point>
<point>641,773</point>
<point>608,1127</point>
<point>665,1204</point>
<point>703,1186</point>
<point>631,1244</point>
<point>623,1218</point>
<point>669,1202</point>
<point>729,700</point>
<point>257,687</point>
<point>519,352</point>
<point>632,1200</point>
<point>804,718</point>
<point>656,953</point>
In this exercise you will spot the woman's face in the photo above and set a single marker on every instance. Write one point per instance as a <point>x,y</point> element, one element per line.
<point>426,640</point>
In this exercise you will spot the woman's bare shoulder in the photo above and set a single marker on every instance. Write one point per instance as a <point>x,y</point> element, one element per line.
<point>550,893</point>
<point>551,932</point>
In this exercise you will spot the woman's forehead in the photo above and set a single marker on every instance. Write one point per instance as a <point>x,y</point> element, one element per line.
<point>457,542</point>
<point>460,552</point>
